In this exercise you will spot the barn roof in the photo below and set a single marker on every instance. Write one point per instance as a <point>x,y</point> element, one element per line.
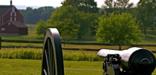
<point>4,8</point>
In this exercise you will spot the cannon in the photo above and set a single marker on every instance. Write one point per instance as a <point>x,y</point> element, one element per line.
<point>133,61</point>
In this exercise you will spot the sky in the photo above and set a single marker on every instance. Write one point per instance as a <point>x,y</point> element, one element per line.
<point>39,3</point>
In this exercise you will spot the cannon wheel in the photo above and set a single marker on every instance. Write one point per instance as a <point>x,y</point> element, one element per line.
<point>52,62</point>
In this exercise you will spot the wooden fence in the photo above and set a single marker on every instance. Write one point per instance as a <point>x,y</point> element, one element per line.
<point>72,45</point>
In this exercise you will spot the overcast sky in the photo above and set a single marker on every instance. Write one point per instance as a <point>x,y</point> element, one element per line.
<point>39,3</point>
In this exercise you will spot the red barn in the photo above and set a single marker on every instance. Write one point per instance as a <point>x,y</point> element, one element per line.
<point>11,21</point>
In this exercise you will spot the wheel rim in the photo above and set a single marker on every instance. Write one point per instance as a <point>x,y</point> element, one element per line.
<point>52,62</point>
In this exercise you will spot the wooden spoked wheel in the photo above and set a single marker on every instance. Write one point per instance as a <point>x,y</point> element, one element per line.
<point>52,62</point>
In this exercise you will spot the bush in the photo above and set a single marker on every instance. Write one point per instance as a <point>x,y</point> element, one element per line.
<point>41,27</point>
<point>119,29</point>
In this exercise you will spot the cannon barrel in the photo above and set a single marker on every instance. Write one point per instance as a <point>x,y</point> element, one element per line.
<point>134,59</point>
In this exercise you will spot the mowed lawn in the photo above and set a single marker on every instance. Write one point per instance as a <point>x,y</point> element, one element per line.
<point>19,67</point>
<point>33,67</point>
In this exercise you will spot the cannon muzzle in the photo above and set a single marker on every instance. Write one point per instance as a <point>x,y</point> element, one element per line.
<point>133,60</point>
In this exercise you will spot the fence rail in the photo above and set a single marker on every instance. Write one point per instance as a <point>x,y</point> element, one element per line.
<point>21,41</point>
<point>70,42</point>
<point>85,49</point>
<point>78,44</point>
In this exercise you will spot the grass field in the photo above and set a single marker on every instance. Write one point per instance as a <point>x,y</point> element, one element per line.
<point>30,53</point>
<point>21,53</point>
<point>33,67</point>
<point>19,67</point>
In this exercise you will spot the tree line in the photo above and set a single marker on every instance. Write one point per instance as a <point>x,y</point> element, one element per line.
<point>32,16</point>
<point>116,22</point>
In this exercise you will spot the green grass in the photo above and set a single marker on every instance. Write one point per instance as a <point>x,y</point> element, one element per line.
<point>83,68</point>
<point>20,67</point>
<point>21,53</point>
<point>33,67</point>
<point>30,53</point>
<point>81,55</point>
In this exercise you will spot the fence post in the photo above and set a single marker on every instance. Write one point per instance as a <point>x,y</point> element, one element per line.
<point>0,42</point>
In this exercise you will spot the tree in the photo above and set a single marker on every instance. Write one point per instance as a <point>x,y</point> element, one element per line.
<point>119,29</point>
<point>146,14</point>
<point>75,19</point>
<point>72,23</point>
<point>31,16</point>
<point>88,24</point>
<point>66,19</point>
<point>117,4</point>
<point>41,27</point>
<point>82,5</point>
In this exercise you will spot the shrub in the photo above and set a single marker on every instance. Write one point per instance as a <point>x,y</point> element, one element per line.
<point>119,29</point>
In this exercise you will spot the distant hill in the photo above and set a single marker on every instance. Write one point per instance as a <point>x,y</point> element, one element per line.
<point>31,16</point>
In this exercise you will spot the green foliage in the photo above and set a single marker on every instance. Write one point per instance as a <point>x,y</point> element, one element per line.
<point>75,20</point>
<point>88,24</point>
<point>66,19</point>
<point>89,6</point>
<point>117,4</point>
<point>118,29</point>
<point>146,14</point>
<point>72,23</point>
<point>31,16</point>
<point>41,27</point>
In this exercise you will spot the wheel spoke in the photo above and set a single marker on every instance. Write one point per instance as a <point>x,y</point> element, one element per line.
<point>47,61</point>
<point>45,72</point>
